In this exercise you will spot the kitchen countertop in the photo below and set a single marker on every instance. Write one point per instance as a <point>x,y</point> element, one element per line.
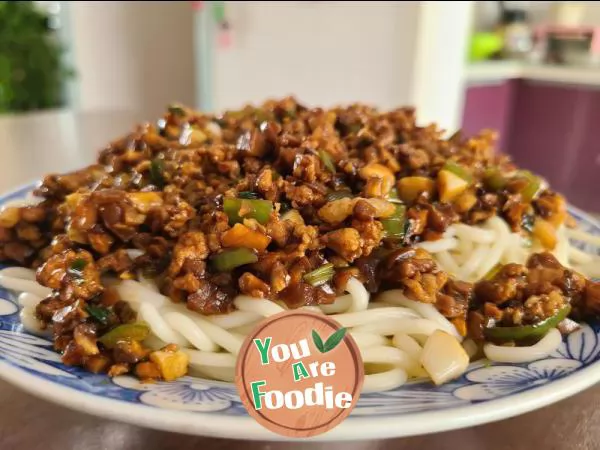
<point>497,71</point>
<point>33,145</point>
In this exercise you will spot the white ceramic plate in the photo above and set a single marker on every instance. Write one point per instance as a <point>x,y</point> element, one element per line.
<point>483,394</point>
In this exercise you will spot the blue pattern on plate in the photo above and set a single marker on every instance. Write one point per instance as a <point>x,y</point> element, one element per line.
<point>481,383</point>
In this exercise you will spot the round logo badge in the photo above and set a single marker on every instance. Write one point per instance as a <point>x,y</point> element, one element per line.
<point>299,373</point>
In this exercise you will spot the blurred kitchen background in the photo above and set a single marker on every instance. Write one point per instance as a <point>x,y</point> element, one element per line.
<point>74,75</point>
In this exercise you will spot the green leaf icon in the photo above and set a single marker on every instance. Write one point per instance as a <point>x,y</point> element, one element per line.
<point>318,341</point>
<point>331,343</point>
<point>334,340</point>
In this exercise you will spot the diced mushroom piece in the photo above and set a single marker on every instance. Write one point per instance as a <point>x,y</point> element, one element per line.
<point>336,211</point>
<point>450,185</point>
<point>383,208</point>
<point>293,216</point>
<point>145,201</point>
<point>409,188</point>
<point>147,370</point>
<point>345,242</point>
<point>379,172</point>
<point>171,362</point>
<point>465,201</point>
<point>443,357</point>
<point>85,337</point>
<point>9,217</point>
<point>242,236</point>
<point>545,232</point>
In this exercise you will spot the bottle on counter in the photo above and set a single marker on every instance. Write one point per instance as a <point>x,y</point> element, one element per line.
<point>516,33</point>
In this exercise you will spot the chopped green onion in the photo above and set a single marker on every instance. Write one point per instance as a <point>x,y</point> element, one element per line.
<point>228,260</point>
<point>327,161</point>
<point>494,180</point>
<point>127,332</point>
<point>493,272</point>
<point>393,196</point>
<point>355,127</point>
<point>76,268</point>
<point>320,275</point>
<point>253,209</point>
<point>248,195</point>
<point>527,222</point>
<point>284,206</point>
<point>396,225</point>
<point>337,195</point>
<point>291,113</point>
<point>176,110</point>
<point>458,170</point>
<point>99,313</point>
<point>520,333</point>
<point>156,173</point>
<point>532,187</point>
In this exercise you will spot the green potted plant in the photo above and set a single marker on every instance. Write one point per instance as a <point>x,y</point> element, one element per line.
<point>32,70</point>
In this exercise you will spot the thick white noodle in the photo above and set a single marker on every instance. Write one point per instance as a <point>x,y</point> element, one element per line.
<point>366,340</point>
<point>243,330</point>
<point>20,284</point>
<point>203,358</point>
<point>580,235</point>
<point>147,283</point>
<point>360,295</point>
<point>441,245</point>
<point>562,247</point>
<point>473,262</point>
<point>19,272</point>
<point>425,310</point>
<point>408,344</point>
<point>314,309</point>
<point>260,306</point>
<point>411,326</point>
<point>190,331</point>
<point>514,355</point>
<point>473,234</point>
<point>389,355</point>
<point>230,341</point>
<point>341,304</point>
<point>28,300</point>
<point>385,381</point>
<point>470,347</point>
<point>462,253</point>
<point>494,255</point>
<point>149,314</point>
<point>447,263</point>
<point>234,319</point>
<point>353,319</point>
<point>136,293</point>
<point>579,256</point>
<point>31,323</point>
<point>216,373</point>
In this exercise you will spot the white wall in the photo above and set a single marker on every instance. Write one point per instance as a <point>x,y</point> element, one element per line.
<point>132,56</point>
<point>438,89</point>
<point>323,52</point>
<point>387,54</point>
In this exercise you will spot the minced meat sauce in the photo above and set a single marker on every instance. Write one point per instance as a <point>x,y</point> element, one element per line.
<point>281,202</point>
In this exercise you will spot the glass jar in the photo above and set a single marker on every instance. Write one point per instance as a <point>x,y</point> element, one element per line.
<point>517,35</point>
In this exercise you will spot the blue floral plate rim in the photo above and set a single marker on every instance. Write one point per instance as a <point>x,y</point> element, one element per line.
<point>486,393</point>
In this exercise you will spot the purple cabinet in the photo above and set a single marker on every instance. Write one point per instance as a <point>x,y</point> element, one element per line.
<point>553,130</point>
<point>490,106</point>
